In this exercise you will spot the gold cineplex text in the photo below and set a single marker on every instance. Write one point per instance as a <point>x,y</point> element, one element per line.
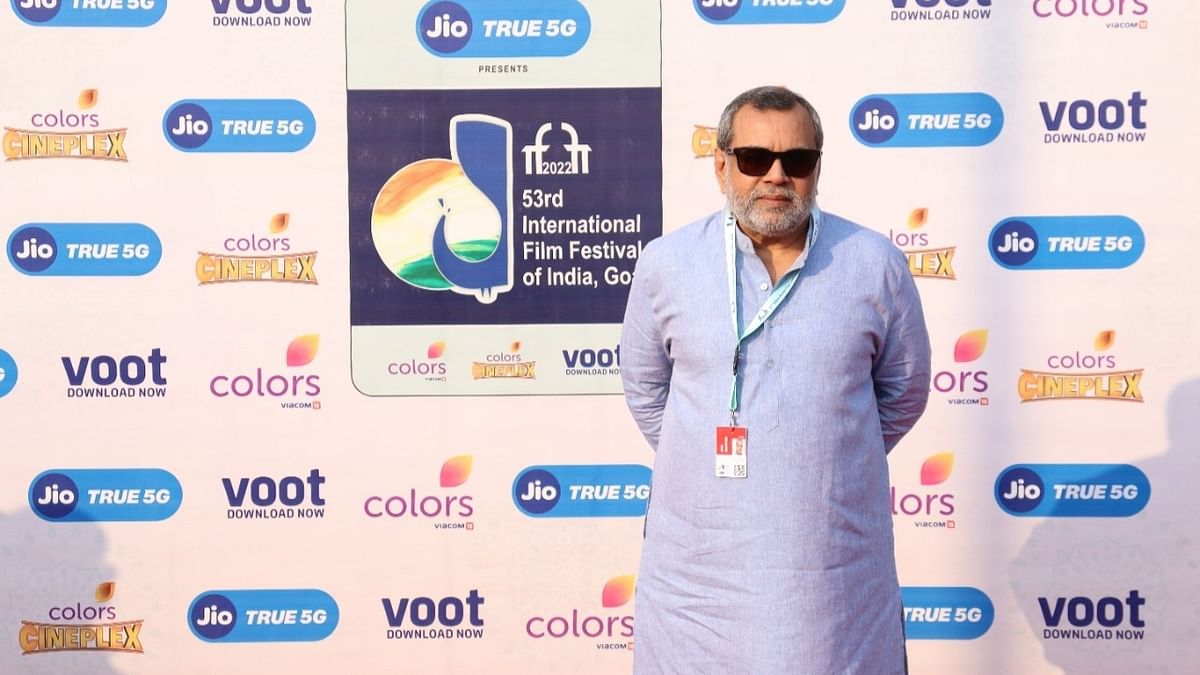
<point>122,636</point>
<point>212,268</point>
<point>935,263</point>
<point>1124,385</point>
<point>108,144</point>
<point>481,371</point>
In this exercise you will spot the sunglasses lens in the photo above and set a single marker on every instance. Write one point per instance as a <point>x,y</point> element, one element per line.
<point>754,161</point>
<point>798,163</point>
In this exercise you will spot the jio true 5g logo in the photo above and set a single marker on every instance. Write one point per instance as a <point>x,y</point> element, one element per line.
<point>213,616</point>
<point>1066,242</point>
<point>926,120</point>
<point>263,615</point>
<point>94,13</point>
<point>446,27</point>
<point>513,28</point>
<point>1020,490</point>
<point>768,11</point>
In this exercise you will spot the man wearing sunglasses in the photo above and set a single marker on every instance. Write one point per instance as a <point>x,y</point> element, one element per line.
<point>772,354</point>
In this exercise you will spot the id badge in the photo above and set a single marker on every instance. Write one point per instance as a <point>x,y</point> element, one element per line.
<point>731,452</point>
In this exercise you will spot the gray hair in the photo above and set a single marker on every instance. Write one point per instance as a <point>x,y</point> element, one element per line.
<point>766,98</point>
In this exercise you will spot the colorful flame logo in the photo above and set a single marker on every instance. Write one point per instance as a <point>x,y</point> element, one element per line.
<point>436,350</point>
<point>970,346</point>
<point>936,469</point>
<point>279,222</point>
<point>106,591</point>
<point>617,591</point>
<point>1105,339</point>
<point>456,471</point>
<point>917,218</point>
<point>303,350</point>
<point>88,98</point>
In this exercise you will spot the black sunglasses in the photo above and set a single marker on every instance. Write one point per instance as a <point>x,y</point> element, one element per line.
<point>797,163</point>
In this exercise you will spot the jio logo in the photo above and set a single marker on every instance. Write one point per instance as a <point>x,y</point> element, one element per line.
<point>214,616</point>
<point>537,491</point>
<point>718,10</point>
<point>33,249</point>
<point>1014,243</point>
<point>188,125</point>
<point>1020,490</point>
<point>39,11</point>
<point>54,495</point>
<point>445,27</point>
<point>8,373</point>
<point>875,120</point>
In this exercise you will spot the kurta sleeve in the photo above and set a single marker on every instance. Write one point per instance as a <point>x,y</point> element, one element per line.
<point>902,369</point>
<point>645,360</point>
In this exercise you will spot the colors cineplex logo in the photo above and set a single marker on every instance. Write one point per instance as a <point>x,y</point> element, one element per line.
<point>265,383</point>
<point>1117,617</point>
<point>283,615</point>
<point>504,365</point>
<point>582,491</point>
<point>515,28</point>
<point>8,373</point>
<point>90,13</point>
<point>239,125</point>
<point>258,258</point>
<point>469,194</point>
<point>1072,490</point>
<point>1066,242</point>
<point>448,509</point>
<point>95,495</point>
<point>432,369</point>
<point>704,140</point>
<point>1101,380</point>
<point>1118,121</point>
<point>103,370</point>
<point>1115,13</point>
<point>429,619</point>
<point>923,261</point>
<point>941,10</point>
<point>926,120</point>
<point>592,361</point>
<point>258,13</point>
<point>768,11</point>
<point>83,626</point>
<point>608,627</point>
<point>965,387</point>
<point>57,134</point>
<point>84,249</point>
<point>946,612</point>
<point>287,497</point>
<point>928,507</point>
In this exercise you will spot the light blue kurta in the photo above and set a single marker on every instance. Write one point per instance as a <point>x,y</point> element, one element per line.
<point>791,570</point>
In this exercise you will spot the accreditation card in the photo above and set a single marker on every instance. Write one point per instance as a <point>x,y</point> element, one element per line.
<point>731,452</point>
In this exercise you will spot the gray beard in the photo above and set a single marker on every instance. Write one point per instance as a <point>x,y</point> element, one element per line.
<point>770,221</point>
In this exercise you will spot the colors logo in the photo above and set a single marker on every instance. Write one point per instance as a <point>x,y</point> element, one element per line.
<point>504,365</point>
<point>250,13</point>
<point>942,10</point>
<point>768,11</point>
<point>101,632</point>
<point>469,195</point>
<point>582,491</point>
<point>422,613</point>
<point>267,493</point>
<point>239,125</point>
<point>449,509</point>
<point>102,14</point>
<point>965,386</point>
<point>1072,490</point>
<point>1083,115</point>
<point>235,265</point>
<point>96,495</point>
<point>1083,613</point>
<point>946,612</point>
<point>74,135</point>
<point>926,120</point>
<point>583,623</point>
<point>84,249</point>
<point>1117,13</point>
<point>515,28</point>
<point>284,615</point>
<point>432,369</point>
<point>928,509</point>
<point>1066,242</point>
<point>104,370</point>
<point>300,352</point>
<point>8,373</point>
<point>923,262</point>
<point>1102,383</point>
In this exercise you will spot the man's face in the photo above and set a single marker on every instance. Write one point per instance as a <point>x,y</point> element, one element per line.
<point>775,204</point>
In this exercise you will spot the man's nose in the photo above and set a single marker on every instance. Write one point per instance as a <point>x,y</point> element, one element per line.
<point>776,175</point>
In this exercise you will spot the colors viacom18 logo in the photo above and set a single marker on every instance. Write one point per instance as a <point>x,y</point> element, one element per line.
<point>610,626</point>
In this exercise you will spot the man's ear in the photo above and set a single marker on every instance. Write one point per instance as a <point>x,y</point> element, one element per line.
<point>719,160</point>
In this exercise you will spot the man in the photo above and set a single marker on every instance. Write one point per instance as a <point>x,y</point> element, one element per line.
<point>778,558</point>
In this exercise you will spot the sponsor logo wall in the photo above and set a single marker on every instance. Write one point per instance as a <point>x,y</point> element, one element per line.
<point>311,311</point>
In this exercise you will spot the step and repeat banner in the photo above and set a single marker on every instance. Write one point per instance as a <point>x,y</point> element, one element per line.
<point>310,315</point>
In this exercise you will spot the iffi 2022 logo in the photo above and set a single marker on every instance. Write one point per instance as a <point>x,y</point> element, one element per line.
<point>446,224</point>
<point>513,28</point>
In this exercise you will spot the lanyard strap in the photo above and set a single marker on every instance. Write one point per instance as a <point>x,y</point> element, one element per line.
<point>778,295</point>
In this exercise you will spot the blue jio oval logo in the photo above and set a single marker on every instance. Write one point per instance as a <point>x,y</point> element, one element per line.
<point>583,491</point>
<point>192,125</point>
<point>1072,490</point>
<point>8,373</point>
<point>32,249</point>
<point>946,612</point>
<point>105,495</point>
<point>755,12</point>
<point>84,249</point>
<point>213,616</point>
<point>239,125</point>
<point>445,27</point>
<point>54,495</point>
<point>926,120</point>
<point>101,14</point>
<point>513,28</point>
<point>1066,242</point>
<point>536,491</point>
<point>1020,490</point>
<point>263,615</point>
